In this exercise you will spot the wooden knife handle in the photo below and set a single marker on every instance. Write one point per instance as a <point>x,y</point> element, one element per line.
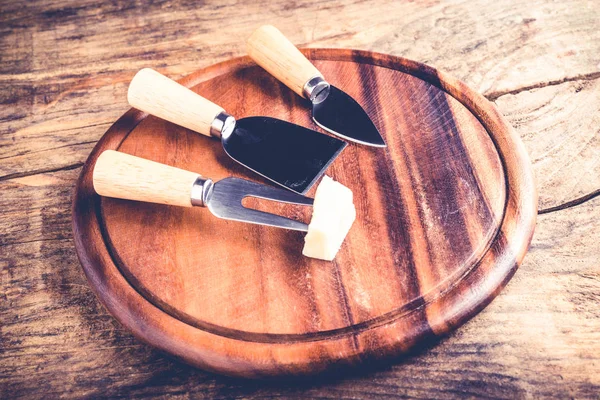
<point>124,176</point>
<point>270,49</point>
<point>158,95</point>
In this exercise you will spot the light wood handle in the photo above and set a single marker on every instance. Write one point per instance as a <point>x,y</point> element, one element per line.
<point>270,49</point>
<point>158,95</point>
<point>124,176</point>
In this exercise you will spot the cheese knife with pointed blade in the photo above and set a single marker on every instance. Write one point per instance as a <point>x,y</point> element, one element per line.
<point>289,155</point>
<point>332,109</point>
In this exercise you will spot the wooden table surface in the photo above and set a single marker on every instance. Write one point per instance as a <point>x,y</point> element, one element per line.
<point>64,71</point>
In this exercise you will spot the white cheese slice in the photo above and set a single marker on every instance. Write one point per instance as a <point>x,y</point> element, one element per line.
<point>333,215</point>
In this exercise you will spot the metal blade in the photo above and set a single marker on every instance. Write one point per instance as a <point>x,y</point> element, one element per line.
<point>287,154</point>
<point>226,202</point>
<point>341,115</point>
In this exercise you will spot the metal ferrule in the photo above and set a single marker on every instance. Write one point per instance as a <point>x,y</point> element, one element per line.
<point>316,89</point>
<point>222,126</point>
<point>201,192</point>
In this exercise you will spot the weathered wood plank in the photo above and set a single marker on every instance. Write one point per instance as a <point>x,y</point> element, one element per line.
<point>66,66</point>
<point>36,208</point>
<point>560,126</point>
<point>495,46</point>
<point>540,337</point>
<point>59,128</point>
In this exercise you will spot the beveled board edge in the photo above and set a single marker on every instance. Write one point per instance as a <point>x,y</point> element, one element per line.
<point>234,357</point>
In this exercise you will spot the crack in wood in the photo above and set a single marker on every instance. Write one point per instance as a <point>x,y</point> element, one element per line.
<point>570,203</point>
<point>582,77</point>
<point>27,153</point>
<point>40,171</point>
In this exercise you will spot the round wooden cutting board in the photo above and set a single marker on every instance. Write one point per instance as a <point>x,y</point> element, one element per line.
<point>445,214</point>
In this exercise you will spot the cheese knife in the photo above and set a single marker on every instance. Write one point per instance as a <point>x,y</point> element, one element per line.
<point>332,109</point>
<point>123,176</point>
<point>289,155</point>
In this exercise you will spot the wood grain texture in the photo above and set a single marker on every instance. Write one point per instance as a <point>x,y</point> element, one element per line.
<point>65,68</point>
<point>270,49</point>
<point>410,269</point>
<point>158,95</point>
<point>122,176</point>
<point>564,149</point>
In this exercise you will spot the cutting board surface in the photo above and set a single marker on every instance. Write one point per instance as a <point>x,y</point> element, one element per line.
<point>444,216</point>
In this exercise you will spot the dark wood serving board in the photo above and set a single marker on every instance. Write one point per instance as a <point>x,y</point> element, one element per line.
<point>445,215</point>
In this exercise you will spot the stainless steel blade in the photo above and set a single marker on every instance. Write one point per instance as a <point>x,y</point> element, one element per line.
<point>341,115</point>
<point>289,155</point>
<point>225,201</point>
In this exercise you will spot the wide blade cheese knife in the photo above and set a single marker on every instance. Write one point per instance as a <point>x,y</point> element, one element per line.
<point>128,177</point>
<point>332,109</point>
<point>287,154</point>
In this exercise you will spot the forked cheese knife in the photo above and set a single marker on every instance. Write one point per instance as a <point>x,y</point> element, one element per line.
<point>332,109</point>
<point>128,177</point>
<point>287,154</point>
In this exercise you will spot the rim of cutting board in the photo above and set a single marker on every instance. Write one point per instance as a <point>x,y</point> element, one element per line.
<point>201,348</point>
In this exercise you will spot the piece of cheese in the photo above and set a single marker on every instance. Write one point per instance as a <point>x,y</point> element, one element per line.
<point>333,215</point>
